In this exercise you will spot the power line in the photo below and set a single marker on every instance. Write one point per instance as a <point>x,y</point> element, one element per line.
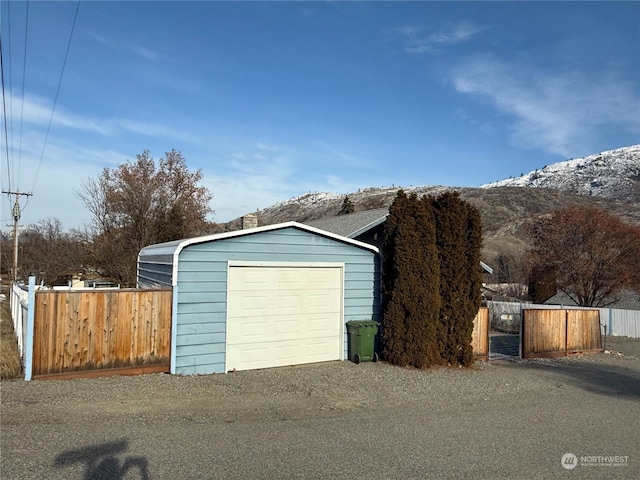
<point>16,211</point>
<point>55,101</point>
<point>4,111</point>
<point>9,70</point>
<point>24,77</point>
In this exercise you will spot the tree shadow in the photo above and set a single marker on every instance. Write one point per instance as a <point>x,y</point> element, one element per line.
<point>607,380</point>
<point>101,462</point>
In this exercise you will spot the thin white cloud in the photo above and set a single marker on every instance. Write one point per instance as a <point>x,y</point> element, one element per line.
<point>485,126</point>
<point>37,111</point>
<point>269,148</point>
<point>341,155</point>
<point>255,178</point>
<point>257,161</point>
<point>554,112</point>
<point>420,40</point>
<point>246,180</point>
<point>145,53</point>
<point>336,184</point>
<point>103,40</point>
<point>150,129</point>
<point>121,46</point>
<point>54,181</point>
<point>237,194</point>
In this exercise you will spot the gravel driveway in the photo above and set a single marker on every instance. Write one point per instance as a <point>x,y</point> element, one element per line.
<point>335,420</point>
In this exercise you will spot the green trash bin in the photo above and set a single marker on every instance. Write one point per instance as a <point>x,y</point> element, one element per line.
<point>362,334</point>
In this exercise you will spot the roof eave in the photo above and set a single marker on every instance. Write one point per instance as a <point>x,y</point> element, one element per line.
<point>238,233</point>
<point>368,227</point>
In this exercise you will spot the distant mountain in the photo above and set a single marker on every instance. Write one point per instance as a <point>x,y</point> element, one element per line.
<point>609,181</point>
<point>614,174</point>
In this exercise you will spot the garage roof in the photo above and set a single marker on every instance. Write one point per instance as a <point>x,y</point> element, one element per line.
<point>176,246</point>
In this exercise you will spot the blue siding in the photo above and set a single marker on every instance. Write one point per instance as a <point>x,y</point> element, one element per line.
<point>187,318</point>
<point>152,273</point>
<point>200,343</point>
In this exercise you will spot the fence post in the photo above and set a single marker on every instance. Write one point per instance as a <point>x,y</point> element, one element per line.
<point>520,337</point>
<point>28,347</point>
<point>566,331</point>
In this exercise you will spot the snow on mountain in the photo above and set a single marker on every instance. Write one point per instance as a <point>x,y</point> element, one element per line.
<point>601,180</point>
<point>319,204</point>
<point>612,174</point>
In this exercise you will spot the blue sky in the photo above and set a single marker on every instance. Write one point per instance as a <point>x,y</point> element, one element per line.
<point>277,99</point>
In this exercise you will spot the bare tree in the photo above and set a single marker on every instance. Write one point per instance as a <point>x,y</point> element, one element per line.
<point>589,254</point>
<point>49,253</point>
<point>512,272</point>
<point>141,203</point>
<point>183,203</point>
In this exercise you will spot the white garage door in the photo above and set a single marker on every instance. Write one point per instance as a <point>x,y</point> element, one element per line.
<point>283,315</point>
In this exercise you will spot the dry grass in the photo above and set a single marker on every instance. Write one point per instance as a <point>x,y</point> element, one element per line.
<point>10,366</point>
<point>504,210</point>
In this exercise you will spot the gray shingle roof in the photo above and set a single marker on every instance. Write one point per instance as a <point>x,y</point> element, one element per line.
<point>351,224</point>
<point>629,300</point>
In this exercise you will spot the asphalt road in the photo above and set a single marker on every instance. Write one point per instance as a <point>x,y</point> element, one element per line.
<point>503,420</point>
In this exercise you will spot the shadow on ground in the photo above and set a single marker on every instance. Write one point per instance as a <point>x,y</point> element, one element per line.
<point>101,461</point>
<point>607,380</point>
<point>503,344</point>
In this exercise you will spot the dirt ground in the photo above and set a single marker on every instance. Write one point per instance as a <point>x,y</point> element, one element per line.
<point>497,420</point>
<point>504,419</point>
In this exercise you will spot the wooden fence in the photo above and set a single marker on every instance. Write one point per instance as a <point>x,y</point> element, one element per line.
<point>89,333</point>
<point>480,335</point>
<point>19,302</point>
<point>560,332</point>
<point>618,321</point>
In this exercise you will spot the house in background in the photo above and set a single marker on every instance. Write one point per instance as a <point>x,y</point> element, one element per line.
<point>366,226</point>
<point>628,300</point>
<point>262,297</point>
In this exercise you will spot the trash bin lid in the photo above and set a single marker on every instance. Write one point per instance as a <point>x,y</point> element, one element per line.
<point>354,326</point>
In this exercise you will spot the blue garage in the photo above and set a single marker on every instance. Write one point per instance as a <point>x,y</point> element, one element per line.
<point>262,297</point>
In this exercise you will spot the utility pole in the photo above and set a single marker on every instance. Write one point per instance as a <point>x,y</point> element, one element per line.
<point>16,218</point>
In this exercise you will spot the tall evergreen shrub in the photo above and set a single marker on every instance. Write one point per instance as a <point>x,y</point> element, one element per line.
<point>473,298</point>
<point>459,241</point>
<point>410,279</point>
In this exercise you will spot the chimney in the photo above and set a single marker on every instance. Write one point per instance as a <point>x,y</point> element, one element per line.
<point>250,220</point>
